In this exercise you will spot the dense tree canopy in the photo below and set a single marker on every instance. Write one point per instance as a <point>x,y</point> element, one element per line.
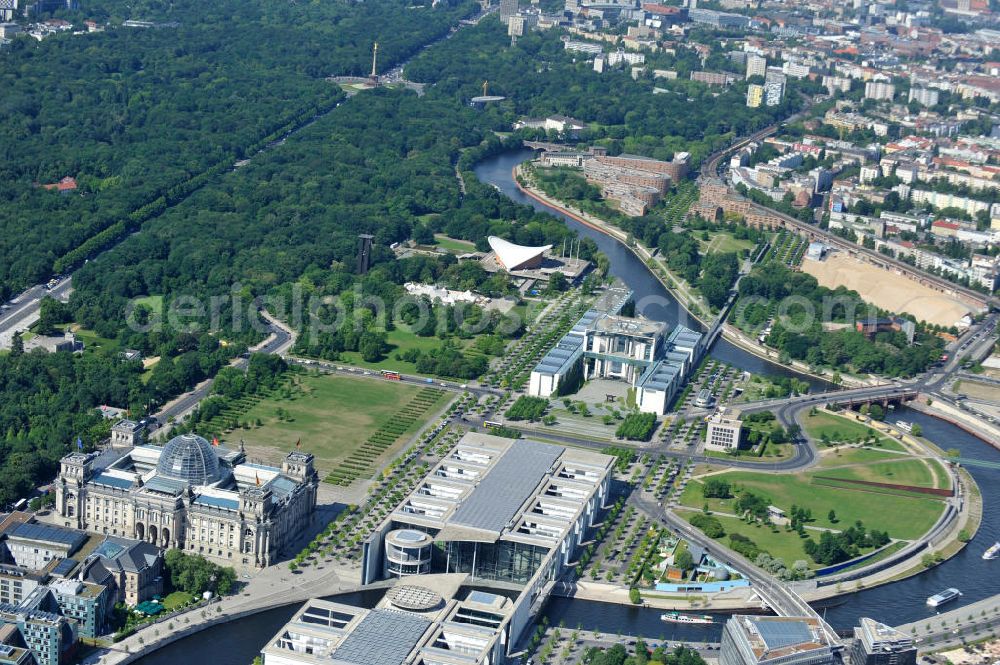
<point>801,335</point>
<point>136,116</point>
<point>539,78</point>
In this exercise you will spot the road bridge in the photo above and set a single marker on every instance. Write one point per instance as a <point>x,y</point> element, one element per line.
<point>547,146</point>
<point>853,397</point>
<point>775,595</point>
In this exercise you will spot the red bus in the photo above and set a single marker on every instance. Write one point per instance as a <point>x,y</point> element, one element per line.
<point>391,375</point>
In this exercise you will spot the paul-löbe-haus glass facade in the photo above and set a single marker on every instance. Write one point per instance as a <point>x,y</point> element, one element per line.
<point>503,561</point>
<point>493,511</point>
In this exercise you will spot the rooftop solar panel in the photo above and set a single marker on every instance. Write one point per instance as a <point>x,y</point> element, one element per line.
<point>49,534</point>
<point>368,643</point>
<point>780,634</point>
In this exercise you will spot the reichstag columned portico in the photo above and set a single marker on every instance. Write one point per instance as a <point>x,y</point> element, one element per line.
<point>190,495</point>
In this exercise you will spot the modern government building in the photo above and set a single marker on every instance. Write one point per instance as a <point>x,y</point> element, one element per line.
<point>606,345</point>
<point>474,551</point>
<point>771,640</point>
<point>191,495</point>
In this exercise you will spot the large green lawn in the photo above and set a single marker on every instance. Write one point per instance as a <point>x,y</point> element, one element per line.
<point>901,472</point>
<point>906,517</point>
<point>332,415</point>
<point>721,242</point>
<point>841,429</point>
<point>845,455</point>
<point>453,244</point>
<point>177,599</point>
<point>785,545</point>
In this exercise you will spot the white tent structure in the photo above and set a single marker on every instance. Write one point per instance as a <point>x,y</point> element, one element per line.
<point>516,257</point>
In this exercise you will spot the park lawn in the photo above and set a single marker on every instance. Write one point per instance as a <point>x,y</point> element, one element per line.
<point>722,242</point>
<point>177,599</point>
<point>786,545</point>
<point>843,456</point>
<point>902,516</point>
<point>778,451</point>
<point>453,244</point>
<point>913,472</point>
<point>841,428</point>
<point>331,415</point>
<point>836,428</point>
<point>400,339</point>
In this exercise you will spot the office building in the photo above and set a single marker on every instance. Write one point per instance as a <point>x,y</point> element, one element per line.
<point>878,644</point>
<point>718,20</point>
<point>13,650</point>
<point>755,95</point>
<point>16,584</point>
<point>713,78</point>
<point>127,433</point>
<point>756,65</point>
<point>635,182</point>
<point>605,345</point>
<point>33,546</point>
<point>769,640</point>
<point>90,605</point>
<point>513,512</point>
<point>587,48</point>
<point>515,26</point>
<point>190,495</point>
<point>433,623</point>
<point>132,569</point>
<point>50,637</point>
<point>621,347</point>
<point>602,344</point>
<point>723,433</point>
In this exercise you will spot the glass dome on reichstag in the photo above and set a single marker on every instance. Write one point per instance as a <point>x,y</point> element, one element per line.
<point>190,458</point>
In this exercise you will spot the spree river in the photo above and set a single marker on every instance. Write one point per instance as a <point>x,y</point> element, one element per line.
<point>652,299</point>
<point>237,642</point>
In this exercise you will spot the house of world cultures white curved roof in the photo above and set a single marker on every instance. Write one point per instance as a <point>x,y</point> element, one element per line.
<point>515,257</point>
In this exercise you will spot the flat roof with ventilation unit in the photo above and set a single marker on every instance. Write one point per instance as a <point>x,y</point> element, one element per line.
<point>512,480</point>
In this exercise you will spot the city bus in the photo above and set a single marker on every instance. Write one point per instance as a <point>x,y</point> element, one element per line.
<point>391,375</point>
<point>492,424</point>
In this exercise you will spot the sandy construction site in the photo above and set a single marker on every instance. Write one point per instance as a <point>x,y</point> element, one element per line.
<point>886,289</point>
